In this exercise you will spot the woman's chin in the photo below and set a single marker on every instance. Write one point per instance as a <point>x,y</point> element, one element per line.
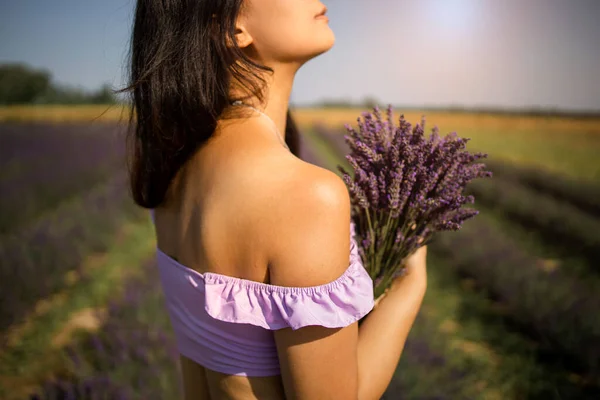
<point>326,43</point>
<point>318,46</point>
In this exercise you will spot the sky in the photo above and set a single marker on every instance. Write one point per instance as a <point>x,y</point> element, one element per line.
<point>472,53</point>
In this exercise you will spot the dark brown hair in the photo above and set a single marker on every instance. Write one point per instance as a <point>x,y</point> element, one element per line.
<point>181,65</point>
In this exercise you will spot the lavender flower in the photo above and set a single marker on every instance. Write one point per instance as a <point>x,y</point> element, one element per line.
<point>405,188</point>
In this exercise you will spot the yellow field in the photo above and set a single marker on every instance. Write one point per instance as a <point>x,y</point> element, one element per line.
<point>60,114</point>
<point>307,116</point>
<point>447,121</point>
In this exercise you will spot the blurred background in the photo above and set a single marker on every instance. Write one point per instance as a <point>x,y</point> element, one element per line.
<point>512,308</point>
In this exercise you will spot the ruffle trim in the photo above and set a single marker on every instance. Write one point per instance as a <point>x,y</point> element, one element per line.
<point>333,305</point>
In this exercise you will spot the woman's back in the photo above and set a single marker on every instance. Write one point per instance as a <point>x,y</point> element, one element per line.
<point>212,231</point>
<point>209,216</point>
<point>203,225</point>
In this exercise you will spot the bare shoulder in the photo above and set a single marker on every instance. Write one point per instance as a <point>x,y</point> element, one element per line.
<point>310,226</point>
<point>298,214</point>
<point>311,187</point>
<point>271,177</point>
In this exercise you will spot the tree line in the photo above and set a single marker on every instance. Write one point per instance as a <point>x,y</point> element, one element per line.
<point>22,84</point>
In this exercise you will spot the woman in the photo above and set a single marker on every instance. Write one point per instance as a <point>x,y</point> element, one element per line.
<point>252,242</point>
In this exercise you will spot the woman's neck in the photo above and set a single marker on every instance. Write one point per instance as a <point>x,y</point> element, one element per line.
<point>278,90</point>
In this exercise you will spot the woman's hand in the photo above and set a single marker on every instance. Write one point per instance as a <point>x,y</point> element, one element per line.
<point>416,263</point>
<point>416,270</point>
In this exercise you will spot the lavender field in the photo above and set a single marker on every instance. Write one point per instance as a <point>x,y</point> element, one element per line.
<point>527,271</point>
<point>510,312</point>
<point>65,210</point>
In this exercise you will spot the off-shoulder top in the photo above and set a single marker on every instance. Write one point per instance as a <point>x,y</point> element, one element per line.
<point>226,324</point>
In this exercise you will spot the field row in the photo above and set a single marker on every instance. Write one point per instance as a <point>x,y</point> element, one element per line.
<point>41,166</point>
<point>552,306</point>
<point>133,355</point>
<point>57,243</point>
<point>547,304</point>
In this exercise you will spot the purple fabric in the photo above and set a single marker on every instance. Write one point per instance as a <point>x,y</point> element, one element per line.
<point>225,323</point>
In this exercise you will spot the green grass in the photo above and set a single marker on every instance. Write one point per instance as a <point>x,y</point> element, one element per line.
<point>499,358</point>
<point>556,256</point>
<point>470,331</point>
<point>139,352</point>
<point>573,154</point>
<point>30,356</point>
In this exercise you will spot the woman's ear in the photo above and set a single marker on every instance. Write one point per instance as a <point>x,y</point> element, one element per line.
<point>242,36</point>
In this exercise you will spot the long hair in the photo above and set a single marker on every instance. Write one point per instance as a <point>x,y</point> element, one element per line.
<point>183,57</point>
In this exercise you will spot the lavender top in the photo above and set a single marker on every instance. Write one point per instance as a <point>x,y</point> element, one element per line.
<point>225,323</point>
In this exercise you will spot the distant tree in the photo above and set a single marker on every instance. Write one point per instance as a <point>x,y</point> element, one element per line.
<point>22,84</point>
<point>62,94</point>
<point>370,102</point>
<point>104,96</point>
<point>336,103</point>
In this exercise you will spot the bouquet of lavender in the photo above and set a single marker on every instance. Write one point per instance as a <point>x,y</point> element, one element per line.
<point>405,188</point>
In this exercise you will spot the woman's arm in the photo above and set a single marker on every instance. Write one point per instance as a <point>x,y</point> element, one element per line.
<point>311,246</point>
<point>383,333</point>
